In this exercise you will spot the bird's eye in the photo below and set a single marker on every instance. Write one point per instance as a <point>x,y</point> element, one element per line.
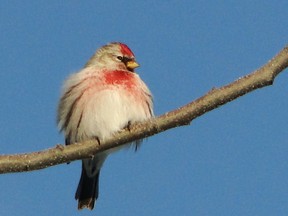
<point>120,58</point>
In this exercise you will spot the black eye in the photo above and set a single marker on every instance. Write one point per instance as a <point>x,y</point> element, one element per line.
<point>120,58</point>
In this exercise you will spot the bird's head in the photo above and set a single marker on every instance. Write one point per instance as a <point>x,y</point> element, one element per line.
<point>114,56</point>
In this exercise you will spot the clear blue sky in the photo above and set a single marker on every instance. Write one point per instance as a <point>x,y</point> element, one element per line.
<point>232,161</point>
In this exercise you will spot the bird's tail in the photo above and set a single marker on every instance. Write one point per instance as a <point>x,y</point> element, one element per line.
<point>87,191</point>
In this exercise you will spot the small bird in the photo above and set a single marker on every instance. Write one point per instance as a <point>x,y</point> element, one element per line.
<point>103,98</point>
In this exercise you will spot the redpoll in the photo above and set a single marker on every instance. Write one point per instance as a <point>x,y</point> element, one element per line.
<point>98,101</point>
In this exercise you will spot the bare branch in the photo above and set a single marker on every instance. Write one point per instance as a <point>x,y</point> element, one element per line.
<point>179,117</point>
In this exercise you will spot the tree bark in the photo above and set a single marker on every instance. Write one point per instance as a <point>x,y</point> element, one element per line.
<point>216,97</point>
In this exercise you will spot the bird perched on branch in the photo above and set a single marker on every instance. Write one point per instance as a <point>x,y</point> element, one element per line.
<point>101,99</point>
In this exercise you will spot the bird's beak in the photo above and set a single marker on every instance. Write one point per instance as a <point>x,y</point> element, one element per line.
<point>132,64</point>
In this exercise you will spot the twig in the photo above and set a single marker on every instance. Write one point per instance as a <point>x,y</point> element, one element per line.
<point>179,117</point>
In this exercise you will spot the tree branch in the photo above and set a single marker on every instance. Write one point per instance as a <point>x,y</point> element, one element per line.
<point>264,76</point>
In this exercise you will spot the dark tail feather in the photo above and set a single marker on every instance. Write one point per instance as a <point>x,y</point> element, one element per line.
<point>87,191</point>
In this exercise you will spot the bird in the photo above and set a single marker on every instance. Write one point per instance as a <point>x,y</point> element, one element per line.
<point>103,98</point>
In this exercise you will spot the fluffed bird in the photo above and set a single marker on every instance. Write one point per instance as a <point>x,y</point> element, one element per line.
<point>104,97</point>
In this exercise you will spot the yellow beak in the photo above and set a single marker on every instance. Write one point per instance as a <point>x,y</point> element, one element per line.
<point>132,64</point>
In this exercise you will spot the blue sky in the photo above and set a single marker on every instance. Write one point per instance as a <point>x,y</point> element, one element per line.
<point>231,161</point>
